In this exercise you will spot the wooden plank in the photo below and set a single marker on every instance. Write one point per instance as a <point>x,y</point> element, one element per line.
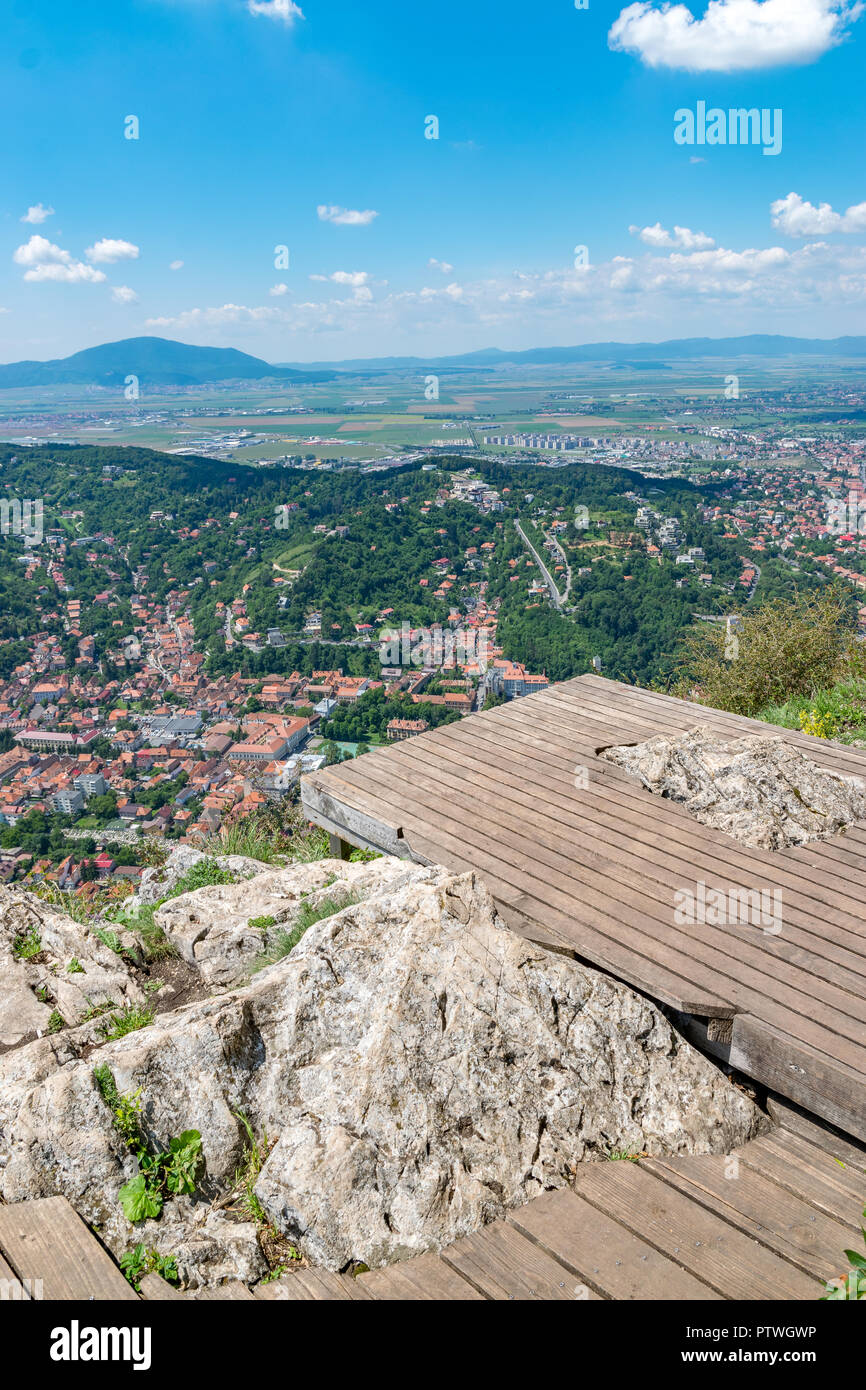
<point>808,1162</point>
<point>46,1239</point>
<point>424,1277</point>
<point>670,710</point>
<point>701,1241</point>
<point>155,1289</point>
<point>838,1145</point>
<point>312,1285</point>
<point>794,962</point>
<point>628,790</point>
<point>832,1089</point>
<point>601,1254</point>
<point>699,946</point>
<point>232,1291</point>
<point>503,1264</point>
<point>815,1185</point>
<point>628,837</point>
<point>546,766</point>
<point>777,1218</point>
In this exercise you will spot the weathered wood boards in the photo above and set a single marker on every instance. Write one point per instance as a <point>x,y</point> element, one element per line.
<point>580,858</point>
<point>47,1243</point>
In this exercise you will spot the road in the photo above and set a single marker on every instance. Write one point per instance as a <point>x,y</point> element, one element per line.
<point>557,598</point>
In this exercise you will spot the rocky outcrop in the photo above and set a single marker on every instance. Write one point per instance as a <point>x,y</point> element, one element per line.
<point>418,1068</point>
<point>160,880</point>
<point>223,929</point>
<point>53,971</point>
<point>762,791</point>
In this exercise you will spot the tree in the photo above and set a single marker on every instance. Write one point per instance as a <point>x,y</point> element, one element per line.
<point>782,649</point>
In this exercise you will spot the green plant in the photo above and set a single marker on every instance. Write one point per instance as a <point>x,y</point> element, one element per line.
<point>279,1270</point>
<point>782,649</point>
<point>155,943</point>
<point>280,943</point>
<point>850,1286</point>
<point>56,1021</point>
<point>173,1170</point>
<point>128,1020</point>
<point>181,1161</point>
<point>203,874</point>
<point>125,1108</point>
<point>363,856</point>
<point>75,967</point>
<point>96,1010</point>
<point>138,1262</point>
<point>261,923</point>
<point>27,945</point>
<point>109,939</point>
<point>252,1162</point>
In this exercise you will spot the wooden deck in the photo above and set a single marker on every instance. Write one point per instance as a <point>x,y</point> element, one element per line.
<point>590,866</point>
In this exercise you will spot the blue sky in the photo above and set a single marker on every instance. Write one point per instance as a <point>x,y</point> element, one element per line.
<point>556,129</point>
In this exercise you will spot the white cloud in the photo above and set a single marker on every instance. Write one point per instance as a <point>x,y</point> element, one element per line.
<point>277,290</point>
<point>37,213</point>
<point>122,294</point>
<point>345,217</point>
<point>796,217</point>
<point>107,251</point>
<point>657,293</point>
<point>176,265</point>
<point>350,277</point>
<point>681,238</point>
<point>285,10</point>
<point>732,35</point>
<point>45,261</point>
<point>444,266</point>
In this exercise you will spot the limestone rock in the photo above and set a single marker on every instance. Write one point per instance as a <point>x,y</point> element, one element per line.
<point>159,880</point>
<point>32,989</point>
<point>210,927</point>
<point>762,791</point>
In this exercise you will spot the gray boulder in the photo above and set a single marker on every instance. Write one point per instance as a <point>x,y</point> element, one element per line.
<point>213,927</point>
<point>760,790</point>
<point>159,880</point>
<point>34,988</point>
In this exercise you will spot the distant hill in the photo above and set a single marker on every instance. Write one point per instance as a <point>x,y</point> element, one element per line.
<point>635,355</point>
<point>156,362</point>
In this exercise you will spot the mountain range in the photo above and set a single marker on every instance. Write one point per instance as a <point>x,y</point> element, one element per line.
<point>164,362</point>
<point>156,362</point>
<point>676,349</point>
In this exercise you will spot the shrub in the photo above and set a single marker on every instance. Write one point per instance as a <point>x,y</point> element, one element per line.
<point>782,649</point>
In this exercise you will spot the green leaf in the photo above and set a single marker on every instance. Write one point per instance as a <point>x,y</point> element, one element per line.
<point>187,1144</point>
<point>858,1261</point>
<point>138,1200</point>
